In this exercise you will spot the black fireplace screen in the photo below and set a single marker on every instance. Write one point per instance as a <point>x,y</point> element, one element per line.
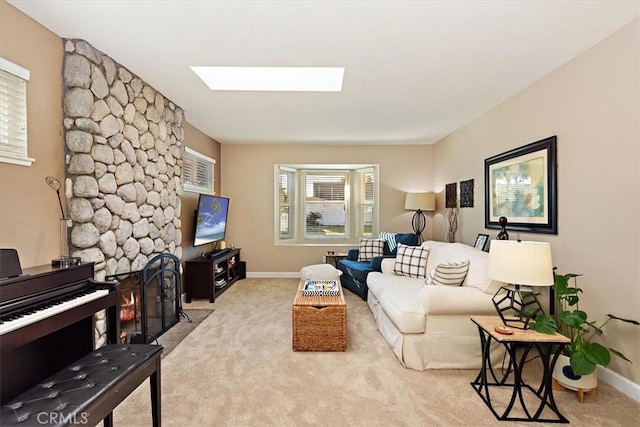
<point>150,299</point>
<point>161,294</point>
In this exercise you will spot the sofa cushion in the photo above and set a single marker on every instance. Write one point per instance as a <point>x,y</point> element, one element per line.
<point>378,282</point>
<point>448,274</point>
<point>393,239</point>
<point>352,254</point>
<point>455,300</point>
<point>356,269</point>
<point>320,272</point>
<point>369,248</point>
<point>477,277</point>
<point>402,306</point>
<point>411,261</point>
<point>409,239</point>
<point>354,276</point>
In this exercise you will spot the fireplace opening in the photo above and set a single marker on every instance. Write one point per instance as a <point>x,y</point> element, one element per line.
<point>149,299</point>
<point>128,307</point>
<point>130,316</point>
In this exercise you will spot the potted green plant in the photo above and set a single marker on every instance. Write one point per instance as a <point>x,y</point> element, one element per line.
<point>584,354</point>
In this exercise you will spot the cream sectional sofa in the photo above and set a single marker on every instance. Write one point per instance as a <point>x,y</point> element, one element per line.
<point>429,326</point>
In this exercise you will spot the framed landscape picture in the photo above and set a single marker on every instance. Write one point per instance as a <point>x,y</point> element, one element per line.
<point>521,185</point>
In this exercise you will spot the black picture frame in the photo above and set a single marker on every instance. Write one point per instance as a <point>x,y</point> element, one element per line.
<point>482,242</point>
<point>521,185</point>
<point>451,195</point>
<point>466,193</point>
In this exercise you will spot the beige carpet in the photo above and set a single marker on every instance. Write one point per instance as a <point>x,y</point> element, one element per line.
<point>237,369</point>
<point>188,322</point>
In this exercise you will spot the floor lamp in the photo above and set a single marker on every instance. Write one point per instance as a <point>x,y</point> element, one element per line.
<point>419,202</point>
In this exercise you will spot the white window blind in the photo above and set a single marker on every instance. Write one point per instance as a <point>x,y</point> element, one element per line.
<point>198,172</point>
<point>286,202</point>
<point>13,113</point>
<point>366,201</point>
<point>325,205</point>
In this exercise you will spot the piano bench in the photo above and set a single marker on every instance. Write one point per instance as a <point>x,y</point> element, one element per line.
<point>88,390</point>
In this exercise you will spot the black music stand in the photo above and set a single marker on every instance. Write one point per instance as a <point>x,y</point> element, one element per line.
<point>9,264</point>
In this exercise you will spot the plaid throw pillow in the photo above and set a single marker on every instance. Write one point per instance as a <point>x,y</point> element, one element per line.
<point>370,248</point>
<point>411,261</point>
<point>449,274</point>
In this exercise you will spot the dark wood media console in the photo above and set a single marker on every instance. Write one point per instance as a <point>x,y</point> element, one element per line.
<point>210,276</point>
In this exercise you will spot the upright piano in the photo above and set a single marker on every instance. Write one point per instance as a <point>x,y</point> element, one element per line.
<point>47,322</point>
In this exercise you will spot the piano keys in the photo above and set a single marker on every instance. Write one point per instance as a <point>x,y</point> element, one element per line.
<point>23,318</point>
<point>46,322</point>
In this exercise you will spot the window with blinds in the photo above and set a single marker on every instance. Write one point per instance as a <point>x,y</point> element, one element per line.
<point>336,203</point>
<point>13,113</point>
<point>198,172</point>
<point>366,200</point>
<point>286,203</point>
<point>325,207</point>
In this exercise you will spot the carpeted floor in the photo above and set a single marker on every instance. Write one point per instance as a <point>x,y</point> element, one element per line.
<point>237,369</point>
<point>174,336</point>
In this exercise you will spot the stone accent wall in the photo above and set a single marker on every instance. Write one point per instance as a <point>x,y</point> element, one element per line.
<point>124,163</point>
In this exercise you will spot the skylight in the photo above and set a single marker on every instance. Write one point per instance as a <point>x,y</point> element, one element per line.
<point>283,79</point>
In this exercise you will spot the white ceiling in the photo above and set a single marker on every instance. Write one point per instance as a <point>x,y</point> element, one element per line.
<point>415,70</point>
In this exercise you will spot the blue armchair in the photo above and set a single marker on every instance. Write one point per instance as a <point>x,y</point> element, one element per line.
<point>354,272</point>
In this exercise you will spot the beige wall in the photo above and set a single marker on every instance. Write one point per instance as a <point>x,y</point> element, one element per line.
<point>247,172</point>
<point>196,140</point>
<point>592,104</point>
<point>29,212</point>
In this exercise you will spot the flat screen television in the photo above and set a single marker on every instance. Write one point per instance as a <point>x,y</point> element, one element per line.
<point>210,219</point>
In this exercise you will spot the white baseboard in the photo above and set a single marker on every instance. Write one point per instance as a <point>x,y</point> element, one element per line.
<point>620,383</point>
<point>273,274</point>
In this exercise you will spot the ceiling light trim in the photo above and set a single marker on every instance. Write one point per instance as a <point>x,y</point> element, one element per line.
<point>272,79</point>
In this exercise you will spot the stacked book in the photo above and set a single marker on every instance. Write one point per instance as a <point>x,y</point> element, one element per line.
<point>320,287</point>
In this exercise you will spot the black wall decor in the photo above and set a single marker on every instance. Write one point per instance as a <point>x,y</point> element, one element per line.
<point>451,195</point>
<point>466,193</point>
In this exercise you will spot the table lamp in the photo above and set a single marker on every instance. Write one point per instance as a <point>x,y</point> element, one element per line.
<point>522,266</point>
<point>419,202</point>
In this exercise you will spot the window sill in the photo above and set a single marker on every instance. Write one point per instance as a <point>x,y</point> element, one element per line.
<point>21,161</point>
<point>317,244</point>
<point>194,189</point>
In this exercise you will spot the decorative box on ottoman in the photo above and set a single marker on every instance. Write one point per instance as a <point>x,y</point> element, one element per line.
<point>319,322</point>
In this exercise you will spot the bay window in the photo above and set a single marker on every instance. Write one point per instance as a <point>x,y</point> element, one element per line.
<point>325,204</point>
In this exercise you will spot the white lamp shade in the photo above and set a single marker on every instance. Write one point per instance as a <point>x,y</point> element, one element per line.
<point>420,201</point>
<point>521,263</point>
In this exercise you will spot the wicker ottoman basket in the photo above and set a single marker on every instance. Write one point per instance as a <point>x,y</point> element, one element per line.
<point>319,322</point>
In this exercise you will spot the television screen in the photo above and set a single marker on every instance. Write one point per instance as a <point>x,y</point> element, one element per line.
<point>211,219</point>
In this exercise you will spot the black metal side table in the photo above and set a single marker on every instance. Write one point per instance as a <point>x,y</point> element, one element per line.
<point>526,402</point>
